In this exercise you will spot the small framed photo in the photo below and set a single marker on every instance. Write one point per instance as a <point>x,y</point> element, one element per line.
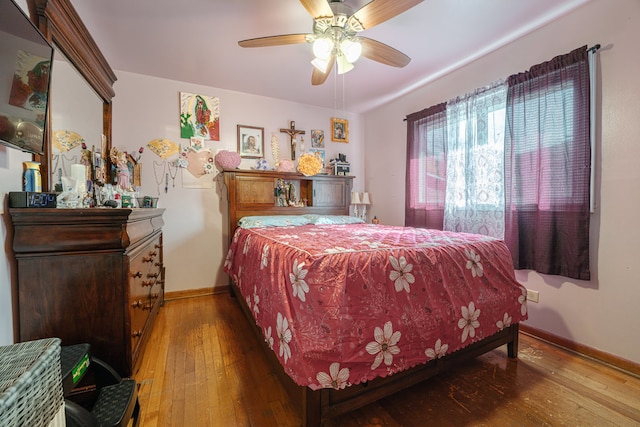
<point>250,142</point>
<point>99,168</point>
<point>339,130</point>
<point>319,154</point>
<point>317,138</point>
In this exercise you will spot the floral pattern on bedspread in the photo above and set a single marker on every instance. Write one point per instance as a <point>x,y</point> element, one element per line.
<point>344,304</point>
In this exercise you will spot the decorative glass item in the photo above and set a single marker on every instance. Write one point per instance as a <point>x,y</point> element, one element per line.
<point>309,164</point>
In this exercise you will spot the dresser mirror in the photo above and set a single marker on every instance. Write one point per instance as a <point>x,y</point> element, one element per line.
<point>81,89</point>
<point>76,119</point>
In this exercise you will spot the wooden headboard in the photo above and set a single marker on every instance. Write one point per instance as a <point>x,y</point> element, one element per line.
<point>251,192</point>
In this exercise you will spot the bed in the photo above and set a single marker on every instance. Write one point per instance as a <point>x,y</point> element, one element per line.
<point>353,312</point>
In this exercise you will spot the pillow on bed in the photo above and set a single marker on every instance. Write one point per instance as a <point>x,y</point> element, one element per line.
<point>273,221</point>
<point>333,219</point>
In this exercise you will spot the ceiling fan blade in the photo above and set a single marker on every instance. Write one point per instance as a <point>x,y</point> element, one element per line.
<point>274,40</point>
<point>378,11</point>
<point>317,8</point>
<point>383,53</point>
<point>318,77</point>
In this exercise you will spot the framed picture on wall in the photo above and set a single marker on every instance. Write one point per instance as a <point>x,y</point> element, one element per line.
<point>317,138</point>
<point>251,142</point>
<point>319,154</point>
<point>339,130</point>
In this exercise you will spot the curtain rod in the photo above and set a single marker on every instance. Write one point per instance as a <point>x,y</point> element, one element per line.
<point>592,49</point>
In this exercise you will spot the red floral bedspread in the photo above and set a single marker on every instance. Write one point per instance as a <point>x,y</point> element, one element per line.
<point>343,304</point>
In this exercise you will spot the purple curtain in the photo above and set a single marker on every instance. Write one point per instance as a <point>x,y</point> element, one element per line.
<point>426,167</point>
<point>547,167</point>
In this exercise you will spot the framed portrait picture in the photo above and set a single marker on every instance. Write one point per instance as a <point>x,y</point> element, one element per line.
<point>317,138</point>
<point>250,142</point>
<point>339,130</point>
<point>318,153</point>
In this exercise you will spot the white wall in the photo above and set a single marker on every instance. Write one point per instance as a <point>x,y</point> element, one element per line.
<point>601,313</point>
<point>195,232</point>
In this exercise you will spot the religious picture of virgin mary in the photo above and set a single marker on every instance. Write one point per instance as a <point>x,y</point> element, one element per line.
<point>199,116</point>
<point>30,82</point>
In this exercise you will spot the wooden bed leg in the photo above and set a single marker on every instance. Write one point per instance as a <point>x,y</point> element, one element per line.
<point>512,346</point>
<point>311,411</point>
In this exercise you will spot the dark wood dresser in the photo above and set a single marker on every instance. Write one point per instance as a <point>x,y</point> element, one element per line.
<point>90,276</point>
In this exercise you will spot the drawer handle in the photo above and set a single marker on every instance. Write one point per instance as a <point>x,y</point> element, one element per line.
<point>137,274</point>
<point>153,275</point>
<point>136,304</point>
<point>155,296</point>
<point>136,334</point>
<point>154,253</point>
<point>148,283</point>
<point>147,306</point>
<point>157,246</point>
<point>147,259</point>
<point>158,264</point>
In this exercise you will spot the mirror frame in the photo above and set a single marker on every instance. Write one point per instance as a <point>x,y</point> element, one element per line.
<point>61,25</point>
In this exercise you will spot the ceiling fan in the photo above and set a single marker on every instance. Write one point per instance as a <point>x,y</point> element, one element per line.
<point>335,36</point>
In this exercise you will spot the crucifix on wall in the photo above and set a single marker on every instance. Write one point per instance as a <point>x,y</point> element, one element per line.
<point>292,132</point>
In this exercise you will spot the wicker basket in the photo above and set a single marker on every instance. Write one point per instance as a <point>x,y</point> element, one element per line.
<point>30,383</point>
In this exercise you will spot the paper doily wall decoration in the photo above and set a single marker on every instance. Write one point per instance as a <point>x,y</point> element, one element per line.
<point>164,148</point>
<point>65,140</point>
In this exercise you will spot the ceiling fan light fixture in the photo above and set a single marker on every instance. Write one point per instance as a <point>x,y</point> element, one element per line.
<point>344,66</point>
<point>335,35</point>
<point>352,49</point>
<point>321,64</point>
<point>322,48</point>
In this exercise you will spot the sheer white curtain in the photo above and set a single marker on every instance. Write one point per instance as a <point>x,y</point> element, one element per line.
<point>474,201</point>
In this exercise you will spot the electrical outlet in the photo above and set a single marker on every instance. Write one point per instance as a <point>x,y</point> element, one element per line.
<point>533,296</point>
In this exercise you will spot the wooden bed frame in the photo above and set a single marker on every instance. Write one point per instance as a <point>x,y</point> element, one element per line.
<point>251,193</point>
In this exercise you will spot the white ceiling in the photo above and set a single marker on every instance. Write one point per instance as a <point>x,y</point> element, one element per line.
<point>196,41</point>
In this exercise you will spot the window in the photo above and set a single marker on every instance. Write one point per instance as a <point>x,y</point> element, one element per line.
<point>510,160</point>
<point>474,201</point>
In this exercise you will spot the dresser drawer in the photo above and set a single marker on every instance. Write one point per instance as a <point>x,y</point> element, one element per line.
<point>145,268</point>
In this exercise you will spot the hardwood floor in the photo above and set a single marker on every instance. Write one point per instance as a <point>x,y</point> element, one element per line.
<point>204,367</point>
